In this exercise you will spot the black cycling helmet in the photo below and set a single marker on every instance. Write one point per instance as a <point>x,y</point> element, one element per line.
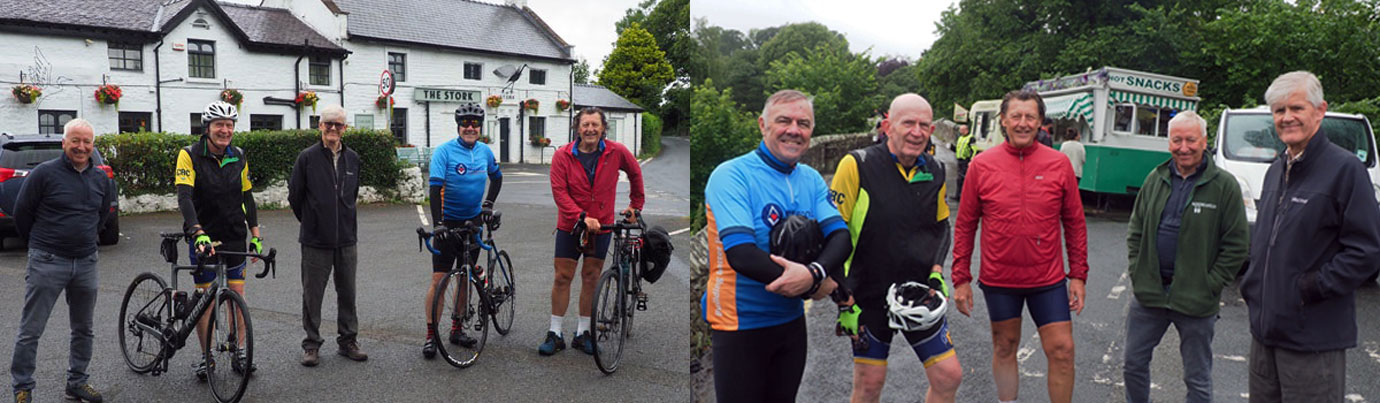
<point>656,253</point>
<point>797,239</point>
<point>471,110</point>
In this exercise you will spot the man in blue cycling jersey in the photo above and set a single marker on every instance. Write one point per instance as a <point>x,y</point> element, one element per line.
<point>753,298</point>
<point>459,169</point>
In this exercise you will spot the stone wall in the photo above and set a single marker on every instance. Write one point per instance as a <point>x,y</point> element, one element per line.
<point>826,151</point>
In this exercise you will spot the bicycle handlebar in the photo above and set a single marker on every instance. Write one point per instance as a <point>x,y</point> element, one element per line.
<point>270,259</point>
<point>424,237</point>
<point>620,225</point>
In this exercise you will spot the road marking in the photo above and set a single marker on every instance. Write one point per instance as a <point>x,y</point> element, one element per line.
<point>421,215</point>
<point>1236,358</point>
<point>524,174</point>
<point>644,162</point>
<point>679,231</point>
<point>1118,288</point>
<point>1373,351</point>
<point>1355,397</point>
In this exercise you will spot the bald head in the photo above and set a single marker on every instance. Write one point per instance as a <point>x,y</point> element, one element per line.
<point>909,101</point>
<point>908,127</point>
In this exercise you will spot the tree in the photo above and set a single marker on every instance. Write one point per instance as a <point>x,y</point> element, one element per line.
<point>719,131</point>
<point>636,69</point>
<point>844,86</point>
<point>581,71</point>
<point>635,15</point>
<point>800,39</point>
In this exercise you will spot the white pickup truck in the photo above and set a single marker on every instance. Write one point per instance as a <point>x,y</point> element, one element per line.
<point>1247,143</point>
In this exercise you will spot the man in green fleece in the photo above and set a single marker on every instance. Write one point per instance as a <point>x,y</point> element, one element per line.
<point>1187,238</point>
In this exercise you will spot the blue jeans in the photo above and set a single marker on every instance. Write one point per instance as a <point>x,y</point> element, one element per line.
<point>49,275</point>
<point>1144,329</point>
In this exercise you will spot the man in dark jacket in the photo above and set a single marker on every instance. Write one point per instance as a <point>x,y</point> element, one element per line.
<point>1188,234</point>
<point>322,192</point>
<point>59,210</point>
<point>1314,242</point>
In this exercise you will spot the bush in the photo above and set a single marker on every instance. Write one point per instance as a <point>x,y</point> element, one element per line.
<point>144,162</point>
<point>719,131</point>
<point>651,135</point>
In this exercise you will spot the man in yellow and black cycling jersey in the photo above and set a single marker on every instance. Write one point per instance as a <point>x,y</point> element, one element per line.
<point>892,197</point>
<point>212,179</point>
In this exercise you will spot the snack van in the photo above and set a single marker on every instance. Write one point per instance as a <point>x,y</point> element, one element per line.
<point>1122,117</point>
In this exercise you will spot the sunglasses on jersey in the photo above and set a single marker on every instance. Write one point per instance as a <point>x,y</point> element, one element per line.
<point>469,122</point>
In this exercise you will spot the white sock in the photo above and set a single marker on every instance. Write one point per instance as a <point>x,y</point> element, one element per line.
<point>556,324</point>
<point>584,325</point>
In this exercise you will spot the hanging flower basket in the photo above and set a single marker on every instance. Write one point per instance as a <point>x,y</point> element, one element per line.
<point>109,94</point>
<point>562,105</point>
<point>541,141</point>
<point>494,101</point>
<point>26,93</point>
<point>232,96</point>
<point>384,101</point>
<point>531,104</point>
<point>307,98</point>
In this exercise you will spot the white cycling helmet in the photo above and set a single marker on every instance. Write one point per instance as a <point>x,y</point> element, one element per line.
<point>911,307</point>
<point>219,110</point>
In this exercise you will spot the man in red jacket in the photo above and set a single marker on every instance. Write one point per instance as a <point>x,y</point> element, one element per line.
<point>584,179</point>
<point>1022,193</point>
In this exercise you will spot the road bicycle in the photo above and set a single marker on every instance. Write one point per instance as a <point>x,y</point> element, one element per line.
<point>156,319</point>
<point>619,292</point>
<point>493,284</point>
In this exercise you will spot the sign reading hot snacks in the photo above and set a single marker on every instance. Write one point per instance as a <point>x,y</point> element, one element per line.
<point>445,95</point>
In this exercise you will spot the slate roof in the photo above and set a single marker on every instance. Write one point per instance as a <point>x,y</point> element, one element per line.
<point>261,26</point>
<point>595,95</point>
<point>463,24</point>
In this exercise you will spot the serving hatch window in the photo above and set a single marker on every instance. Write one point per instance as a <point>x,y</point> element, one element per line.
<point>1144,120</point>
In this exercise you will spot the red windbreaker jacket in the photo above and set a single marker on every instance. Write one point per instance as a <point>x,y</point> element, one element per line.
<point>1021,196</point>
<point>574,193</point>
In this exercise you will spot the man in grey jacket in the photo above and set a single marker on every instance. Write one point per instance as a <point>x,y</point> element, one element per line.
<point>322,191</point>
<point>1314,242</point>
<point>60,209</point>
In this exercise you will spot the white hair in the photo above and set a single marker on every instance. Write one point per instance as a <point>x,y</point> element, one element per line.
<point>332,111</point>
<point>1288,83</point>
<point>1189,117</point>
<point>76,123</point>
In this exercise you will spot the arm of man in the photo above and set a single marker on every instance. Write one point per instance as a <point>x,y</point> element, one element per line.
<point>110,197</point>
<point>1135,229</point>
<point>297,185</point>
<point>436,189</point>
<point>965,226</point>
<point>184,177</point>
<point>636,196</point>
<point>1075,225</point>
<point>561,165</point>
<point>727,206</point>
<point>838,245</point>
<point>1235,244</point>
<point>251,209</point>
<point>30,195</point>
<point>1359,237</point>
<point>495,179</point>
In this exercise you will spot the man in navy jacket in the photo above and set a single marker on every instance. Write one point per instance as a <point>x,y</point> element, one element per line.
<point>1313,244</point>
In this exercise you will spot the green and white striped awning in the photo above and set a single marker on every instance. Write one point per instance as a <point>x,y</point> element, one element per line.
<point>1071,106</point>
<point>1152,100</point>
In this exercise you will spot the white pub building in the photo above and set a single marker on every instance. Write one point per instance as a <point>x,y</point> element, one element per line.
<point>169,58</point>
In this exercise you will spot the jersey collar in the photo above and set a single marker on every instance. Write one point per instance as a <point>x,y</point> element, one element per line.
<point>765,155</point>
<point>576,149</point>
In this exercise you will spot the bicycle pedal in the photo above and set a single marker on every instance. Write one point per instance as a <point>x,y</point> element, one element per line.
<point>642,304</point>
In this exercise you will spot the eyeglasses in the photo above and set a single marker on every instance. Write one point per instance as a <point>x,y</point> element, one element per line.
<point>333,125</point>
<point>469,123</point>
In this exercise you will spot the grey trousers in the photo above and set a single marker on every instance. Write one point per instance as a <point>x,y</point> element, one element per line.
<point>317,265</point>
<point>1282,375</point>
<point>1145,328</point>
<point>49,275</point>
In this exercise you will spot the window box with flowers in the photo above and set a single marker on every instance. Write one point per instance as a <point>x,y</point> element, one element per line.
<point>26,93</point>
<point>232,96</point>
<point>109,94</point>
<point>562,105</point>
<point>493,101</point>
<point>531,104</point>
<point>486,139</point>
<point>384,101</point>
<point>540,141</point>
<point>307,98</point>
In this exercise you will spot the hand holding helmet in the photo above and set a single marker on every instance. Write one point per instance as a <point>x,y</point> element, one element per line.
<point>912,307</point>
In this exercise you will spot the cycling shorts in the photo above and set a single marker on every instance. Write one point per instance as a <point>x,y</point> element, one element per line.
<point>760,365</point>
<point>1048,304</point>
<point>445,261</point>
<point>234,265</point>
<point>931,345</point>
<point>568,246</point>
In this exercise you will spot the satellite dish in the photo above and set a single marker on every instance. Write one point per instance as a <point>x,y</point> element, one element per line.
<point>510,72</point>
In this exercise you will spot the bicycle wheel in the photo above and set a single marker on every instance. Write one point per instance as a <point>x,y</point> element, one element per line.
<point>229,343</point>
<point>502,293</point>
<point>610,323</point>
<point>469,321</point>
<point>145,301</point>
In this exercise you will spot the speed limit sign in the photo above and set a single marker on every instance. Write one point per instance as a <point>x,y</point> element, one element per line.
<point>386,83</point>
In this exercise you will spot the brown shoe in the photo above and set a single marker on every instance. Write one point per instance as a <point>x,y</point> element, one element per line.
<point>351,350</point>
<point>310,358</point>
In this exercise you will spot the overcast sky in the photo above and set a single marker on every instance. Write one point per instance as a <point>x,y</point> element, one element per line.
<point>890,27</point>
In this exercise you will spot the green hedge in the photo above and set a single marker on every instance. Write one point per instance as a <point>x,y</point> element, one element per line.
<point>144,162</point>
<point>651,135</point>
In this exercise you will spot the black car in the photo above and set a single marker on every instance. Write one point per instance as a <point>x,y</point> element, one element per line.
<point>20,153</point>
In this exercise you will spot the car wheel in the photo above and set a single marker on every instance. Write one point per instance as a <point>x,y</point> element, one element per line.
<point>110,235</point>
